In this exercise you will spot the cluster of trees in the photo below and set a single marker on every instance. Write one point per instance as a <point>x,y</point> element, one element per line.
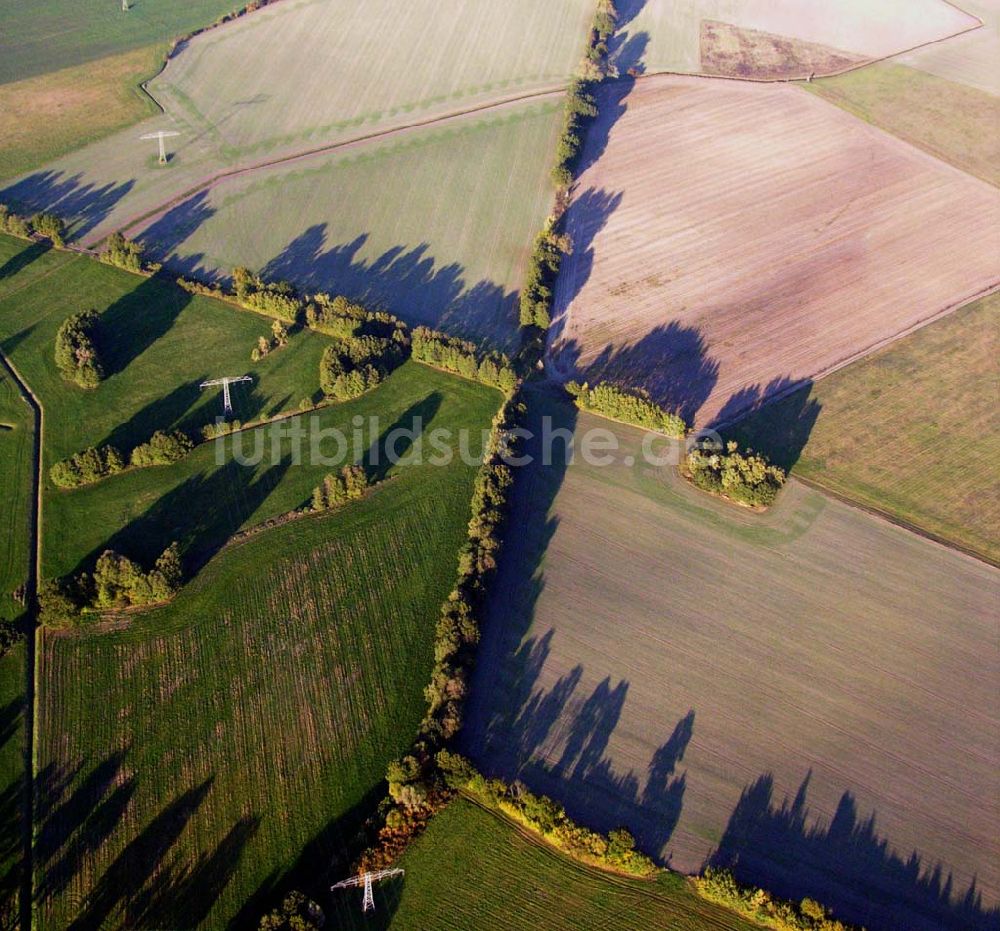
<point>720,887</point>
<point>358,363</point>
<point>116,582</point>
<point>124,253</point>
<point>278,340</point>
<point>274,298</point>
<point>547,818</point>
<point>746,477</point>
<point>46,225</point>
<point>463,358</point>
<point>93,464</point>
<point>76,349</point>
<point>535,302</point>
<point>342,319</point>
<point>417,787</point>
<point>340,487</point>
<point>614,402</point>
<point>220,428</point>
<point>296,913</point>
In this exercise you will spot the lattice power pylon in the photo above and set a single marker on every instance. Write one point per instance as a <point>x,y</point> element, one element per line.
<point>366,880</point>
<point>227,403</point>
<point>160,135</point>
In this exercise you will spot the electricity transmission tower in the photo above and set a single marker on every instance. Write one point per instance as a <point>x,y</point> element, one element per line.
<point>125,6</point>
<point>366,880</point>
<point>160,135</point>
<point>227,404</point>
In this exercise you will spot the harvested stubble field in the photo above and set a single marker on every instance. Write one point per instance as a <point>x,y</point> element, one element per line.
<point>955,122</point>
<point>304,74</point>
<point>473,869</point>
<point>913,431</point>
<point>713,274</point>
<point>807,694</point>
<point>233,741</point>
<point>16,442</point>
<point>818,35</point>
<point>158,343</point>
<point>444,243</point>
<point>971,58</point>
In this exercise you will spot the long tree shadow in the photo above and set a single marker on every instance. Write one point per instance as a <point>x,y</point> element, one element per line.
<point>83,205</point>
<point>164,413</point>
<point>12,817</point>
<point>165,235</point>
<point>200,514</point>
<point>24,258</point>
<point>134,322</point>
<point>401,437</point>
<point>846,865</point>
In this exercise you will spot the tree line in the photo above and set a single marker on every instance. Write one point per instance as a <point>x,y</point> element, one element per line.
<point>45,225</point>
<point>338,488</point>
<point>463,358</point>
<point>94,463</point>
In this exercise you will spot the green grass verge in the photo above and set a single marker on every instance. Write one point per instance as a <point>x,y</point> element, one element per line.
<point>952,121</point>
<point>12,766</point>
<point>474,869</point>
<point>16,440</point>
<point>160,343</point>
<point>52,34</point>
<point>234,739</point>
<point>912,431</point>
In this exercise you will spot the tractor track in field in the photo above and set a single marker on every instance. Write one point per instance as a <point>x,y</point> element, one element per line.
<point>31,601</point>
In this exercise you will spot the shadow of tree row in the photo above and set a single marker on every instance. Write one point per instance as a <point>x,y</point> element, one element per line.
<point>149,883</point>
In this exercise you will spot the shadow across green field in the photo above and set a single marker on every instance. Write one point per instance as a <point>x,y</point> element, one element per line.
<point>24,258</point>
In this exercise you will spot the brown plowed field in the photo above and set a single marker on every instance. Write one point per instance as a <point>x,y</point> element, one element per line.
<point>732,238</point>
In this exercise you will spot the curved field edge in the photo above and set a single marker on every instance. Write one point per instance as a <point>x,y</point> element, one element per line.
<point>189,762</point>
<point>475,869</point>
<point>923,452</point>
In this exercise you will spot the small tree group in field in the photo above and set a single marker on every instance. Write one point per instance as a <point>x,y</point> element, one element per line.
<point>746,477</point>
<point>127,254</point>
<point>296,913</point>
<point>278,340</point>
<point>628,406</point>
<point>340,487</point>
<point>162,448</point>
<point>92,464</point>
<point>463,358</point>
<point>116,582</point>
<point>357,363</point>
<point>76,350</point>
<point>45,225</point>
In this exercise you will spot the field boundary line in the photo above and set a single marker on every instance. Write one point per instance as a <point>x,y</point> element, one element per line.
<point>31,649</point>
<point>333,147</point>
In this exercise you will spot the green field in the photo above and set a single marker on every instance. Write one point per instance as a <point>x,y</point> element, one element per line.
<point>955,122</point>
<point>748,688</point>
<point>912,431</point>
<point>191,760</point>
<point>53,34</point>
<point>16,442</point>
<point>12,768</point>
<point>473,869</point>
<point>444,243</point>
<point>165,342</point>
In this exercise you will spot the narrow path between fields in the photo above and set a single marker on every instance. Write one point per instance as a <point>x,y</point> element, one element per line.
<point>31,600</point>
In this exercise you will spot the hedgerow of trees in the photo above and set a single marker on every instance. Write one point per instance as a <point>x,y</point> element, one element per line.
<point>417,788</point>
<point>611,401</point>
<point>92,464</point>
<point>339,487</point>
<point>274,298</point>
<point>278,340</point>
<point>46,225</point>
<point>124,253</point>
<point>367,347</point>
<point>746,477</point>
<point>76,350</point>
<point>463,358</point>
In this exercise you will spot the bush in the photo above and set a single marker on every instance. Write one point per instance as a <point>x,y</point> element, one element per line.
<point>10,635</point>
<point>90,465</point>
<point>744,477</point>
<point>118,582</point>
<point>629,407</point>
<point>58,604</point>
<point>296,913</point>
<point>339,488</point>
<point>76,350</point>
<point>162,449</point>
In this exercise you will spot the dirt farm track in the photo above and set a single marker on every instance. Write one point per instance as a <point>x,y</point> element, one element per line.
<point>712,273</point>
